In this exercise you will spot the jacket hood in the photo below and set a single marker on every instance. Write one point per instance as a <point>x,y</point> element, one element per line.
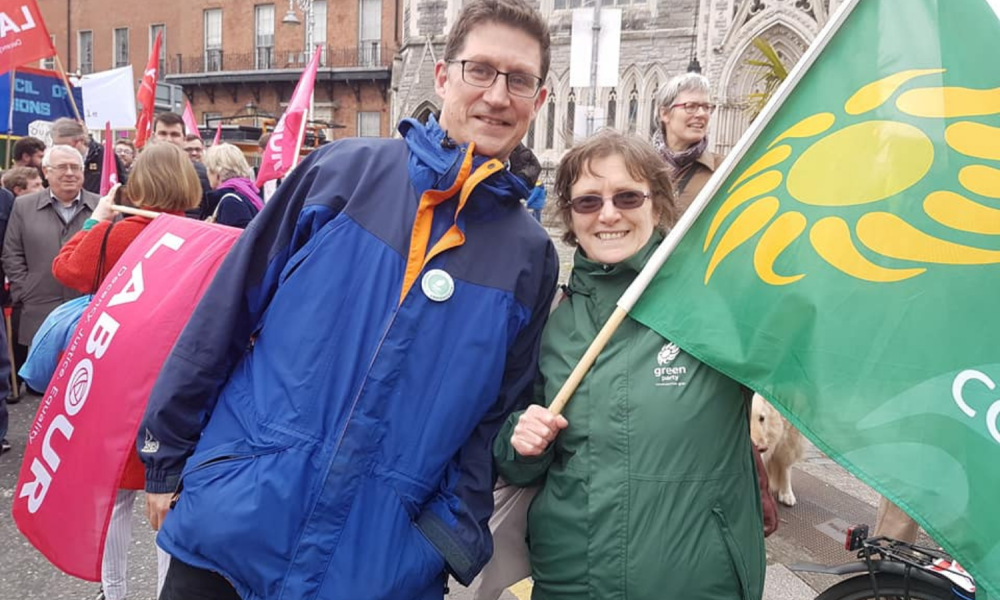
<point>435,160</point>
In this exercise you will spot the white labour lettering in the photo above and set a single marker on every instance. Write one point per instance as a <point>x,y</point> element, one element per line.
<point>82,377</point>
<point>958,394</point>
<point>8,25</point>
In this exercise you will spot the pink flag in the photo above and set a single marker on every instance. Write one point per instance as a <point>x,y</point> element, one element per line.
<point>282,150</point>
<point>189,121</point>
<point>218,134</point>
<point>109,168</point>
<point>87,422</point>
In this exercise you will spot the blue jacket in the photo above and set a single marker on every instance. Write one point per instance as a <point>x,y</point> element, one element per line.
<point>536,201</point>
<point>333,423</point>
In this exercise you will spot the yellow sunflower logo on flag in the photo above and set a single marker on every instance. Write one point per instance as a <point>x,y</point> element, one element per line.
<point>812,169</point>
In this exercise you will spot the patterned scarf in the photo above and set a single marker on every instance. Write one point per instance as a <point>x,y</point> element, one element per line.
<point>679,161</point>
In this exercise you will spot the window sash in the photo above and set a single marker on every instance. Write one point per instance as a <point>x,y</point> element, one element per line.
<point>121,57</point>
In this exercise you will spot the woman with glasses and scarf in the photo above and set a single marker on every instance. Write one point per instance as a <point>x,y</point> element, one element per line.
<point>648,487</point>
<point>682,140</point>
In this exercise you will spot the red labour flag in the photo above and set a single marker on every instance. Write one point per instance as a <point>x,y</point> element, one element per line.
<point>109,168</point>
<point>281,153</point>
<point>23,37</point>
<point>87,422</point>
<point>146,97</point>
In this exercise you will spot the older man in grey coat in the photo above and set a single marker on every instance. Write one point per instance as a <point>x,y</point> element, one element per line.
<point>39,225</point>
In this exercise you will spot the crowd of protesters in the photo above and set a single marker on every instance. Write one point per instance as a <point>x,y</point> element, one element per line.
<point>378,359</point>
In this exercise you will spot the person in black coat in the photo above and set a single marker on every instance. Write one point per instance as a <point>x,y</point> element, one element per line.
<point>72,133</point>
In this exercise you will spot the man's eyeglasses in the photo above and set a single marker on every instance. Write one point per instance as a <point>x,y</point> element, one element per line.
<point>692,108</point>
<point>67,168</point>
<point>482,75</point>
<point>591,203</point>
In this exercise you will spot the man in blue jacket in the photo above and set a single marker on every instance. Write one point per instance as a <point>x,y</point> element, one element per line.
<point>323,424</point>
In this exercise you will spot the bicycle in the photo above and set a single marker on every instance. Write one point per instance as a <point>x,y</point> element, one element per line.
<point>889,569</point>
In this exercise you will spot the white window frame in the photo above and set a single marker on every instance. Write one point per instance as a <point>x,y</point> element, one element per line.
<point>120,60</point>
<point>162,66</point>
<point>81,66</point>
<point>263,36</point>
<point>212,43</point>
<point>367,120</point>
<point>320,12</point>
<point>50,62</point>
<point>369,33</point>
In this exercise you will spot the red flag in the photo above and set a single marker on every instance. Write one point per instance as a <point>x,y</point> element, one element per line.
<point>88,420</point>
<point>23,36</point>
<point>282,149</point>
<point>189,121</point>
<point>218,134</point>
<point>146,97</point>
<point>109,168</point>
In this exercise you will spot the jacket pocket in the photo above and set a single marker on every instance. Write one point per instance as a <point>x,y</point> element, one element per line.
<point>736,557</point>
<point>227,454</point>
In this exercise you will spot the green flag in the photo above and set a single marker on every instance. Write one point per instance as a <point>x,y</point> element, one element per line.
<point>848,265</point>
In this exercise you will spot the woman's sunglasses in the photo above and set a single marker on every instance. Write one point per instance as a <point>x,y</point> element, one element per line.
<point>592,203</point>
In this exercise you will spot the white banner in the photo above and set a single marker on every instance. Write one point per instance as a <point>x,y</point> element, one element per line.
<point>109,96</point>
<point>582,47</point>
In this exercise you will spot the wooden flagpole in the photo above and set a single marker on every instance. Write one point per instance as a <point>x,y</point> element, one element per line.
<point>139,212</point>
<point>667,246</point>
<point>69,90</point>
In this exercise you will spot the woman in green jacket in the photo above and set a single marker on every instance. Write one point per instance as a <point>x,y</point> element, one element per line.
<point>649,489</point>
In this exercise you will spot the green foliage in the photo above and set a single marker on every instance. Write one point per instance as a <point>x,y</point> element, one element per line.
<point>772,73</point>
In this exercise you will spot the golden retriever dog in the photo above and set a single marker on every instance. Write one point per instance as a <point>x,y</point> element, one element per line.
<point>780,445</point>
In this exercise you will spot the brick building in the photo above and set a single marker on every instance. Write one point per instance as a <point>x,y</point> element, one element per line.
<point>659,38</point>
<point>243,57</point>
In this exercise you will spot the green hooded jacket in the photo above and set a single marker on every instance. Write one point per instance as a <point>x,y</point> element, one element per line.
<point>651,492</point>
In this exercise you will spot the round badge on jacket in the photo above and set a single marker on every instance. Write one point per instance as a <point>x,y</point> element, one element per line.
<point>437,285</point>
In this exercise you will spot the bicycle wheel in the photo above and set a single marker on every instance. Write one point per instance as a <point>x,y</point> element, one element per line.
<point>890,587</point>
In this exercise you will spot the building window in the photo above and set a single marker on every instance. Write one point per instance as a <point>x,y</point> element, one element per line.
<point>213,39</point>
<point>633,109</point>
<point>612,108</point>
<point>319,31</point>
<point>530,143</point>
<point>264,36</point>
<point>369,33</point>
<point>85,51</point>
<point>563,4</point>
<point>153,31</point>
<point>50,62</point>
<point>550,124</point>
<point>369,124</point>
<point>654,120</point>
<point>121,47</point>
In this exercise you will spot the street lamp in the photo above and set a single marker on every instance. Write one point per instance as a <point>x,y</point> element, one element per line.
<point>290,18</point>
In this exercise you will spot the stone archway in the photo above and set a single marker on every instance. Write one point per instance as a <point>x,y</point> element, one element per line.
<point>740,79</point>
<point>425,110</point>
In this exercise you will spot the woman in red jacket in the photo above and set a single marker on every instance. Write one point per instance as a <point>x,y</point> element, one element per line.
<point>162,180</point>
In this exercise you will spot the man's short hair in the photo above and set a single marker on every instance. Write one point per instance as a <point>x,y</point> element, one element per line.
<point>517,14</point>
<point>29,146</point>
<point>66,128</point>
<point>18,177</point>
<point>193,137</point>
<point>47,157</point>
<point>125,142</point>
<point>169,119</point>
